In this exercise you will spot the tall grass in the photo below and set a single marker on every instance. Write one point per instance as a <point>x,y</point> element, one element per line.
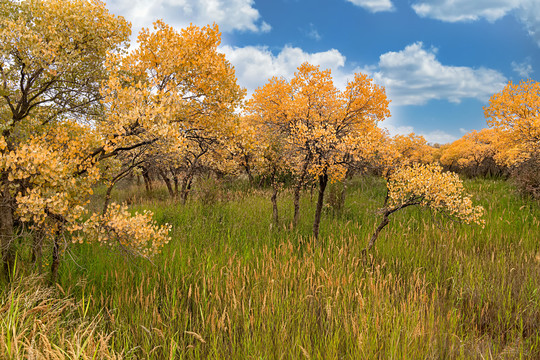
<point>233,286</point>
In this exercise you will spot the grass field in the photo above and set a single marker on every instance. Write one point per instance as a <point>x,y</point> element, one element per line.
<point>230,285</point>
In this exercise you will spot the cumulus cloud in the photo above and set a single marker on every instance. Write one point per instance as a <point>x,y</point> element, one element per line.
<point>413,76</point>
<point>254,65</point>
<point>466,10</point>
<point>523,69</point>
<point>228,14</point>
<point>374,5</point>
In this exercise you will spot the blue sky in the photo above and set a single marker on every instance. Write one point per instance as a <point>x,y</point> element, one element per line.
<point>439,60</point>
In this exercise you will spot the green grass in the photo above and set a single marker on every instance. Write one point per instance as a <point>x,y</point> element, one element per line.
<point>230,285</point>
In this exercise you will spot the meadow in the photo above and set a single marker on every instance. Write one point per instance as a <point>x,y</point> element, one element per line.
<point>231,285</point>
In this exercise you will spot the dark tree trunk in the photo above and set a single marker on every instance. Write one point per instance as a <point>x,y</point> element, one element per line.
<point>375,235</point>
<point>298,189</point>
<point>147,180</point>
<point>175,181</point>
<point>55,257</point>
<point>386,219</point>
<point>323,181</point>
<point>275,214</point>
<point>167,183</point>
<point>248,169</point>
<point>186,187</point>
<point>6,232</point>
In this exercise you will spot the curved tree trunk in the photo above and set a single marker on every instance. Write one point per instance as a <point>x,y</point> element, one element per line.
<point>147,180</point>
<point>167,183</point>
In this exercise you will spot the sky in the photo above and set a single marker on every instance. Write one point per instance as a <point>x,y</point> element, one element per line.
<point>439,60</point>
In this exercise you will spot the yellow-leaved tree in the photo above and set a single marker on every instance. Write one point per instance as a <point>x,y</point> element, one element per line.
<point>179,77</point>
<point>473,153</point>
<point>53,134</point>
<point>515,114</point>
<point>428,186</point>
<point>323,126</point>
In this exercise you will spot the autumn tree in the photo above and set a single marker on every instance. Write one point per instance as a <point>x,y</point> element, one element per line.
<point>321,124</point>
<point>430,187</point>
<point>55,136</point>
<point>182,74</point>
<point>473,153</point>
<point>412,149</point>
<point>514,113</point>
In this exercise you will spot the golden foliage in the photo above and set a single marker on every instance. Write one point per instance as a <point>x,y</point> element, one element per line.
<point>515,114</point>
<point>471,149</point>
<point>428,186</point>
<point>322,126</point>
<point>138,232</point>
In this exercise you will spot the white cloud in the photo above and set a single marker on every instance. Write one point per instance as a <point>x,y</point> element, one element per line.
<point>433,137</point>
<point>374,5</point>
<point>414,76</point>
<point>523,69</point>
<point>228,14</point>
<point>254,65</point>
<point>464,10</point>
<point>527,11</point>
<point>438,137</point>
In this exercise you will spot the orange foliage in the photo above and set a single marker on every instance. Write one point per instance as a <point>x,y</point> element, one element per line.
<point>515,114</point>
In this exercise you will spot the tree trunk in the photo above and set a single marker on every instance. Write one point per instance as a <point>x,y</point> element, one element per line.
<point>375,235</point>
<point>175,181</point>
<point>167,183</point>
<point>6,232</point>
<point>55,257</point>
<point>297,190</point>
<point>323,181</point>
<point>186,186</point>
<point>147,180</point>
<point>248,169</point>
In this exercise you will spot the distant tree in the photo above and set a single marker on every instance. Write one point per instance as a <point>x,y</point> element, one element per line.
<point>473,153</point>
<point>515,114</point>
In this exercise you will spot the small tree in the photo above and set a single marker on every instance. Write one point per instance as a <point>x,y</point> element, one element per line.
<point>323,126</point>
<point>428,186</point>
<point>515,114</point>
